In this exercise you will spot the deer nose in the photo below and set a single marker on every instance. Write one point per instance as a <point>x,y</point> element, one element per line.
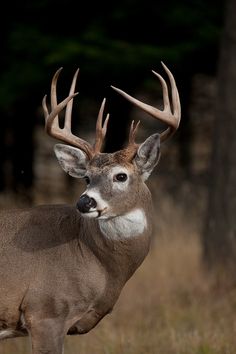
<point>85,203</point>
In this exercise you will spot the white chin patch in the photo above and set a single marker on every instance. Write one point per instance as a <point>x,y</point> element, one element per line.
<point>90,214</point>
<point>132,224</point>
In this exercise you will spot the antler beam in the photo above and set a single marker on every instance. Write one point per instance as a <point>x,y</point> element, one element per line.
<point>64,134</point>
<point>165,116</point>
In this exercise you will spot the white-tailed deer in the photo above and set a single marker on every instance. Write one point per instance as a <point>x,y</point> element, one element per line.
<point>62,267</point>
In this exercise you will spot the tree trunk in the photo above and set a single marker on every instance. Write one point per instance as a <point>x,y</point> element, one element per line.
<point>220,229</point>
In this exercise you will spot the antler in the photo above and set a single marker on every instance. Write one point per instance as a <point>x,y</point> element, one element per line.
<point>64,134</point>
<point>166,116</point>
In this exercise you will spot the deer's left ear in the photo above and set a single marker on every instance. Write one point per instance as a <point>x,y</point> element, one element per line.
<point>148,155</point>
<point>73,160</point>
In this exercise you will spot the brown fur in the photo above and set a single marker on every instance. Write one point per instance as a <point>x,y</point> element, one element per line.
<point>60,271</point>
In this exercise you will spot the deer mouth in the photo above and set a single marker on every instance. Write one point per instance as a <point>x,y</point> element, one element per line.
<point>94,214</point>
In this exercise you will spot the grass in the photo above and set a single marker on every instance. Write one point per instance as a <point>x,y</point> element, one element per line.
<point>169,306</point>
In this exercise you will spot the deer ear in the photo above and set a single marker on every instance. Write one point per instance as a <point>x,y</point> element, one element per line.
<point>148,155</point>
<point>72,160</point>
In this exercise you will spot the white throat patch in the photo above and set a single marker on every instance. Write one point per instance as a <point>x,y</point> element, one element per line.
<point>128,225</point>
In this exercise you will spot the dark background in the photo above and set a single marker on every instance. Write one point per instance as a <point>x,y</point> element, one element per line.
<point>117,43</point>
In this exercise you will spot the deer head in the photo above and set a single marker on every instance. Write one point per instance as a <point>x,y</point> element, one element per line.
<point>114,180</point>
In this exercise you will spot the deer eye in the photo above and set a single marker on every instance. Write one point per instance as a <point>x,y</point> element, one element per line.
<point>87,179</point>
<point>120,177</point>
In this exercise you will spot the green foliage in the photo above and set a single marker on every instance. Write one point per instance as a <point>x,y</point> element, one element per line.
<point>121,38</point>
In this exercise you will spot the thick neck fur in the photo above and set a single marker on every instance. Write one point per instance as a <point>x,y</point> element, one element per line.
<point>122,241</point>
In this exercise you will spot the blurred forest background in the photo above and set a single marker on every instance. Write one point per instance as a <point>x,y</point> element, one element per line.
<point>187,286</point>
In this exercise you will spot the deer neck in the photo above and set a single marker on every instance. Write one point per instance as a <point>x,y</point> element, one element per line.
<point>121,242</point>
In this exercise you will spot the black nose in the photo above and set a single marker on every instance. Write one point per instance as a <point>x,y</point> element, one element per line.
<point>85,203</point>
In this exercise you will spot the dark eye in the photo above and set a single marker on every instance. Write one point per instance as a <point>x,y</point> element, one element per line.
<point>120,177</point>
<point>87,180</point>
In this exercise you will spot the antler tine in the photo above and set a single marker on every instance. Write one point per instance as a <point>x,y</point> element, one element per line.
<point>174,93</point>
<point>70,103</point>
<point>101,129</point>
<point>133,132</point>
<point>175,117</point>
<point>51,120</point>
<point>166,116</point>
<point>131,149</point>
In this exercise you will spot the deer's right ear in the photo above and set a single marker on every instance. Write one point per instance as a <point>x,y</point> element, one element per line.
<point>148,155</point>
<point>72,160</point>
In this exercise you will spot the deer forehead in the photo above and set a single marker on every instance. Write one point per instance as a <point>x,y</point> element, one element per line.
<point>110,170</point>
<point>105,161</point>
